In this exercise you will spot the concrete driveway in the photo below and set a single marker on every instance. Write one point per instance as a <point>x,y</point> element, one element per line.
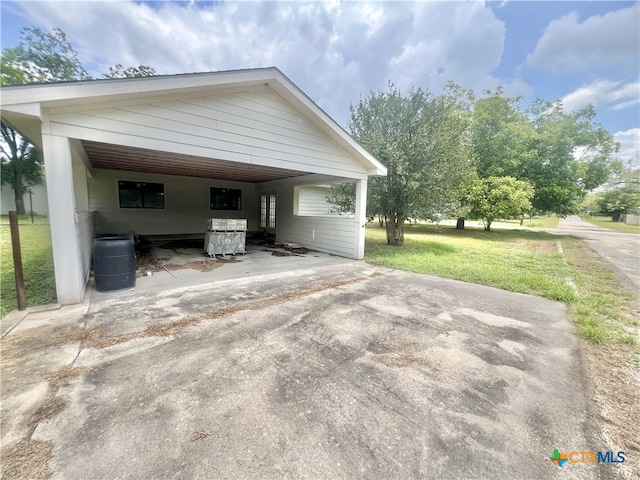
<point>344,371</point>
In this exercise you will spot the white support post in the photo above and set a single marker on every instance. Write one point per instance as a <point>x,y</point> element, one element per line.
<point>62,218</point>
<point>361,217</point>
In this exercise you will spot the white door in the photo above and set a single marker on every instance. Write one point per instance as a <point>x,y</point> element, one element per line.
<point>268,213</point>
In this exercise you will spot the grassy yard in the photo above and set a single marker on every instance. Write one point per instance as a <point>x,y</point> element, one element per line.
<point>519,261</point>
<point>535,222</point>
<point>606,222</point>
<point>37,262</point>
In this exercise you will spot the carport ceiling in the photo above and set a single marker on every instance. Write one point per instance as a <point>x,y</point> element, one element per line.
<point>119,157</point>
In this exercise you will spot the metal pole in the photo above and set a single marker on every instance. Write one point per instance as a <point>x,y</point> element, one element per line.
<point>31,203</point>
<point>17,260</point>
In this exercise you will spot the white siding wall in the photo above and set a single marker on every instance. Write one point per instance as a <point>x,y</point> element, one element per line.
<point>39,197</point>
<point>186,204</point>
<point>312,200</point>
<point>256,127</point>
<point>329,234</point>
<point>85,232</point>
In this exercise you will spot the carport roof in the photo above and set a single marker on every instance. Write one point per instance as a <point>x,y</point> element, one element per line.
<point>22,106</point>
<point>120,157</point>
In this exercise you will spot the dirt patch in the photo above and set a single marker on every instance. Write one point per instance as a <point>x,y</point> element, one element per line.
<point>279,253</point>
<point>203,265</point>
<point>201,435</point>
<point>613,383</point>
<point>14,347</point>
<point>27,459</point>
<point>151,263</point>
<point>48,410</point>
<point>63,376</point>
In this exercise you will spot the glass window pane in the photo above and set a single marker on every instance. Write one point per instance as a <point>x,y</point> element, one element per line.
<point>140,195</point>
<point>225,198</point>
<point>130,194</point>
<point>153,195</point>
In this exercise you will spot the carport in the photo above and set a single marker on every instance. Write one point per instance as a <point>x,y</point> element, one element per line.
<point>158,155</point>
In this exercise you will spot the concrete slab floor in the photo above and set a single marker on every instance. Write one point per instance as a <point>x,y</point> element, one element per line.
<point>334,371</point>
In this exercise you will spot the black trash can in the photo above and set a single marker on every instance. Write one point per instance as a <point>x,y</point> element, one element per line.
<point>114,263</point>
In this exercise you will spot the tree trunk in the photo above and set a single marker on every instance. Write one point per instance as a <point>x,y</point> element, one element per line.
<point>381,220</point>
<point>20,204</point>
<point>522,219</point>
<point>395,229</point>
<point>487,225</point>
<point>18,194</point>
<point>460,223</point>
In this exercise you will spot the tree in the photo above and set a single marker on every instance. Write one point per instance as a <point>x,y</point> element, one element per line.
<point>21,165</point>
<point>618,201</point>
<point>419,137</point>
<point>40,57</point>
<point>574,156</point>
<point>503,138</point>
<point>494,198</point>
<point>118,71</point>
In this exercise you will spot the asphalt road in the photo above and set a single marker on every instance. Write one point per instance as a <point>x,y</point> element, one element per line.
<point>621,250</point>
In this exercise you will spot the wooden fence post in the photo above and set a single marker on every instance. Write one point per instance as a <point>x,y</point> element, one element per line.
<point>17,260</point>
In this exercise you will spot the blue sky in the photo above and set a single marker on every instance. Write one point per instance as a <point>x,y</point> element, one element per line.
<point>580,52</point>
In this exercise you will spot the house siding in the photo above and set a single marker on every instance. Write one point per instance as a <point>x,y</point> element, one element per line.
<point>256,127</point>
<point>330,234</point>
<point>186,204</point>
<point>85,233</point>
<point>312,200</point>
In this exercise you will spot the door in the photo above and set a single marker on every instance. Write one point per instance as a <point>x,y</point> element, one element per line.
<point>268,213</point>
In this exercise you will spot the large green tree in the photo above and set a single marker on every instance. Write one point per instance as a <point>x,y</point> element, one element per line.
<point>562,155</point>
<point>494,198</point>
<point>419,137</point>
<point>574,156</point>
<point>40,57</point>
<point>503,137</point>
<point>617,201</point>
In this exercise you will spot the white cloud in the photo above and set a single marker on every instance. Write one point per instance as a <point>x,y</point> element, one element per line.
<point>629,141</point>
<point>615,95</point>
<point>335,51</point>
<point>567,45</point>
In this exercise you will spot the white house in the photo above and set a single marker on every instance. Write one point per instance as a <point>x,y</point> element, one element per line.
<point>158,155</point>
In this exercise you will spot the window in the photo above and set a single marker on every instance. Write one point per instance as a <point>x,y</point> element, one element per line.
<point>141,195</point>
<point>225,198</point>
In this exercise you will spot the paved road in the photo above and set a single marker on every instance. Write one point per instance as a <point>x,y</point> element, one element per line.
<point>621,250</point>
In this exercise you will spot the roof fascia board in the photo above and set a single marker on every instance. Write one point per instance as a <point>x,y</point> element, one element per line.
<point>65,93</point>
<point>27,109</point>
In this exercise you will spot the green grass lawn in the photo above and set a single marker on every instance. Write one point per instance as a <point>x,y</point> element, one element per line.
<point>37,262</point>
<point>606,222</point>
<point>519,261</point>
<point>535,222</point>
